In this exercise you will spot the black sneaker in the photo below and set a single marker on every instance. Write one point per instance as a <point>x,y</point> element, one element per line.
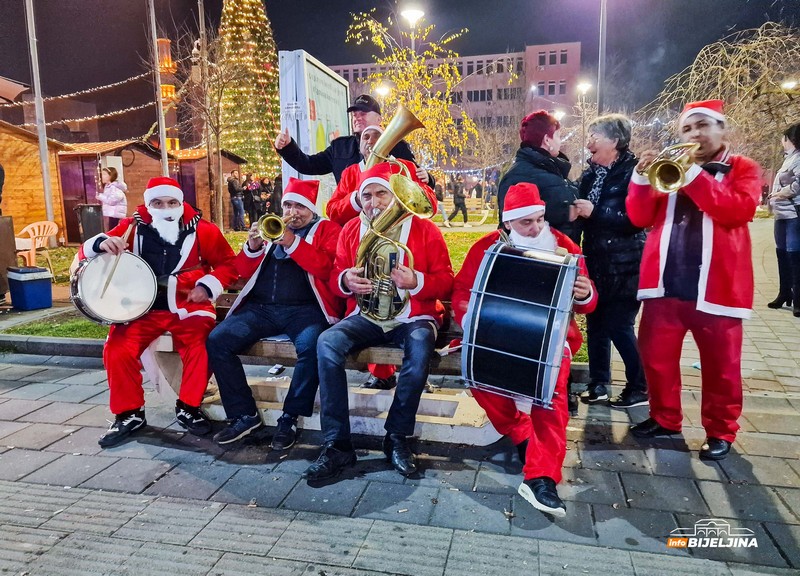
<point>331,462</point>
<point>238,429</point>
<point>522,450</point>
<point>376,383</point>
<point>628,399</point>
<point>192,419</point>
<point>594,393</point>
<point>123,426</point>
<point>285,434</point>
<point>542,495</point>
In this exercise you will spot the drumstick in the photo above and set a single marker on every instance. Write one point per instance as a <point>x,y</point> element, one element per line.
<point>116,261</point>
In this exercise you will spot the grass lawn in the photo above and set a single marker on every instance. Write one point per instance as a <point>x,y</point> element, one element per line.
<point>69,324</point>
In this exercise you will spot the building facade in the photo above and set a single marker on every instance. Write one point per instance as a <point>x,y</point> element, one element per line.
<point>497,90</point>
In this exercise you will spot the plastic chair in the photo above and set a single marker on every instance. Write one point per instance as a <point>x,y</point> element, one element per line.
<point>33,239</point>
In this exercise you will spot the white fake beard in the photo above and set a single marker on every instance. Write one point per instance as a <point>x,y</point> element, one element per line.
<point>546,240</point>
<point>167,222</point>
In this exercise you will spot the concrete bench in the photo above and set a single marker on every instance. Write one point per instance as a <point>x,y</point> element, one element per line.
<point>447,415</point>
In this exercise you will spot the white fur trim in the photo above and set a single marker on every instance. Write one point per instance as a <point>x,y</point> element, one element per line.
<point>374,180</point>
<point>294,245</point>
<point>420,283</point>
<point>707,111</point>
<point>373,127</point>
<point>342,285</point>
<point>300,199</point>
<point>212,283</point>
<point>585,300</point>
<point>354,201</point>
<point>253,254</point>
<point>640,179</point>
<point>692,173</point>
<point>88,246</point>
<point>162,190</point>
<point>509,215</point>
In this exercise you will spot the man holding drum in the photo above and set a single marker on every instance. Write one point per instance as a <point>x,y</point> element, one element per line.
<point>541,438</point>
<point>287,293</point>
<point>696,275</point>
<point>193,264</point>
<point>412,323</point>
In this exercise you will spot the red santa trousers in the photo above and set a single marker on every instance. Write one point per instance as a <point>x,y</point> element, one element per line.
<point>127,342</point>
<point>382,371</point>
<point>545,429</point>
<point>664,324</point>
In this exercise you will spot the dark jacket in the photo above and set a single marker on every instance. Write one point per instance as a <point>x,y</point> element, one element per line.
<point>534,165</point>
<point>612,245</point>
<point>342,153</point>
<point>459,196</point>
<point>235,188</point>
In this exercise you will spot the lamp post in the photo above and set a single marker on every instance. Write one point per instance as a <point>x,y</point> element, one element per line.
<point>601,63</point>
<point>583,88</point>
<point>412,15</point>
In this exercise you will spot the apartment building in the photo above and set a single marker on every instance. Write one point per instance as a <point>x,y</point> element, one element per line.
<point>545,76</point>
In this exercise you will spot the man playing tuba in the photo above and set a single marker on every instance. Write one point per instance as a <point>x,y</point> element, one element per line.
<point>399,303</point>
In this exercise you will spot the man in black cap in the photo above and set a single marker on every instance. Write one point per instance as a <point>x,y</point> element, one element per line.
<point>344,150</point>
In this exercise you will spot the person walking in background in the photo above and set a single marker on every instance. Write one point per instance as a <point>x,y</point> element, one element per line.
<point>613,249</point>
<point>784,204</point>
<point>459,202</point>
<point>539,161</point>
<point>266,196</point>
<point>237,201</point>
<point>113,199</point>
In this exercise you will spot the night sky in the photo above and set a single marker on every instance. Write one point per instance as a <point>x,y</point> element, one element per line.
<point>83,43</point>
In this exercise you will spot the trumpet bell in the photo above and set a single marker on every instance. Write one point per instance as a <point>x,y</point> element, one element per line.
<point>411,196</point>
<point>402,124</point>
<point>271,227</point>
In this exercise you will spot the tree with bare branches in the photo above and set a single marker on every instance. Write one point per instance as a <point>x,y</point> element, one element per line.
<point>749,70</point>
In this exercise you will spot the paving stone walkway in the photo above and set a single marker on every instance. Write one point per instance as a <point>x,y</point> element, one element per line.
<point>167,502</point>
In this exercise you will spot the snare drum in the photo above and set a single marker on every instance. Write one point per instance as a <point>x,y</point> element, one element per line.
<point>130,293</point>
<point>517,321</point>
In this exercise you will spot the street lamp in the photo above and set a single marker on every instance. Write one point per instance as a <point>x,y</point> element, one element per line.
<point>601,64</point>
<point>412,15</point>
<point>583,88</point>
<point>559,114</point>
<point>789,85</point>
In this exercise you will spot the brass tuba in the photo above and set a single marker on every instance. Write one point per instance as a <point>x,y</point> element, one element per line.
<point>385,302</point>
<point>667,173</point>
<point>271,228</point>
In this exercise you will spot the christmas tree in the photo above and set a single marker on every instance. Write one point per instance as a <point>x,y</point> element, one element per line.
<point>251,108</point>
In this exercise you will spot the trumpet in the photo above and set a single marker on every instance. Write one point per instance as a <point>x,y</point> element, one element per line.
<point>667,173</point>
<point>271,228</point>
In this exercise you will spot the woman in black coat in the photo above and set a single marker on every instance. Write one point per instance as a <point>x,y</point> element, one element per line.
<point>613,250</point>
<point>539,161</point>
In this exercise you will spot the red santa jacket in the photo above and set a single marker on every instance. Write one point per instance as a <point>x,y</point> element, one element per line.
<point>315,254</point>
<point>343,205</point>
<point>205,255</point>
<point>431,264</point>
<point>728,203</point>
<point>465,280</point>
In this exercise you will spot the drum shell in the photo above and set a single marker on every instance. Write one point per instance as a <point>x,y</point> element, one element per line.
<point>517,321</point>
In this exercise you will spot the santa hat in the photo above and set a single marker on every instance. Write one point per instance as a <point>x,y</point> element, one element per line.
<point>162,186</point>
<point>522,200</point>
<point>378,174</point>
<point>373,127</point>
<point>711,108</point>
<point>303,192</point>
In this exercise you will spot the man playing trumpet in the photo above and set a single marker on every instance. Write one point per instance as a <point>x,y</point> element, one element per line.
<point>287,293</point>
<point>407,312</point>
<point>696,275</point>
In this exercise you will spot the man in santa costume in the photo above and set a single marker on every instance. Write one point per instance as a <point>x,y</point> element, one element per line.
<point>541,437</point>
<point>345,205</point>
<point>413,328</point>
<point>287,293</point>
<point>193,264</point>
<point>696,275</point>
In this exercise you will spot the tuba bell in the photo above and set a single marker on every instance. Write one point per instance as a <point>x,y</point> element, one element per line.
<point>385,301</point>
<point>271,228</point>
<point>667,173</point>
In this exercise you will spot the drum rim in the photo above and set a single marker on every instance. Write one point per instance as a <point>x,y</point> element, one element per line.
<point>83,306</point>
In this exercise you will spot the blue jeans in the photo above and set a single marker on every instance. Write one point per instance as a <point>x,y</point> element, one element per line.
<point>355,333</point>
<point>787,234</point>
<point>246,326</point>
<point>238,213</point>
<point>613,322</point>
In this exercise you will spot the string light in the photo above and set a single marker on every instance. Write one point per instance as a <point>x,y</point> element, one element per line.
<point>96,117</point>
<point>83,92</point>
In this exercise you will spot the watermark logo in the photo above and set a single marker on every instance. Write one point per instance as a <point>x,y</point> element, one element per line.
<point>712,533</point>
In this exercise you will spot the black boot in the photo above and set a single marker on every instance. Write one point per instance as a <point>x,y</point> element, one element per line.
<point>785,282</point>
<point>794,259</point>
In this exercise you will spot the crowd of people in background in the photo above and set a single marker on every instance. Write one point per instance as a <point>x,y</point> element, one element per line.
<point>251,197</point>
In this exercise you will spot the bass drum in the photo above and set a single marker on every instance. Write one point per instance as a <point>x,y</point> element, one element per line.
<point>130,293</point>
<point>517,321</point>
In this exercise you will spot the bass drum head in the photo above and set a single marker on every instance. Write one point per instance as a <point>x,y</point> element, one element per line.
<point>130,293</point>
